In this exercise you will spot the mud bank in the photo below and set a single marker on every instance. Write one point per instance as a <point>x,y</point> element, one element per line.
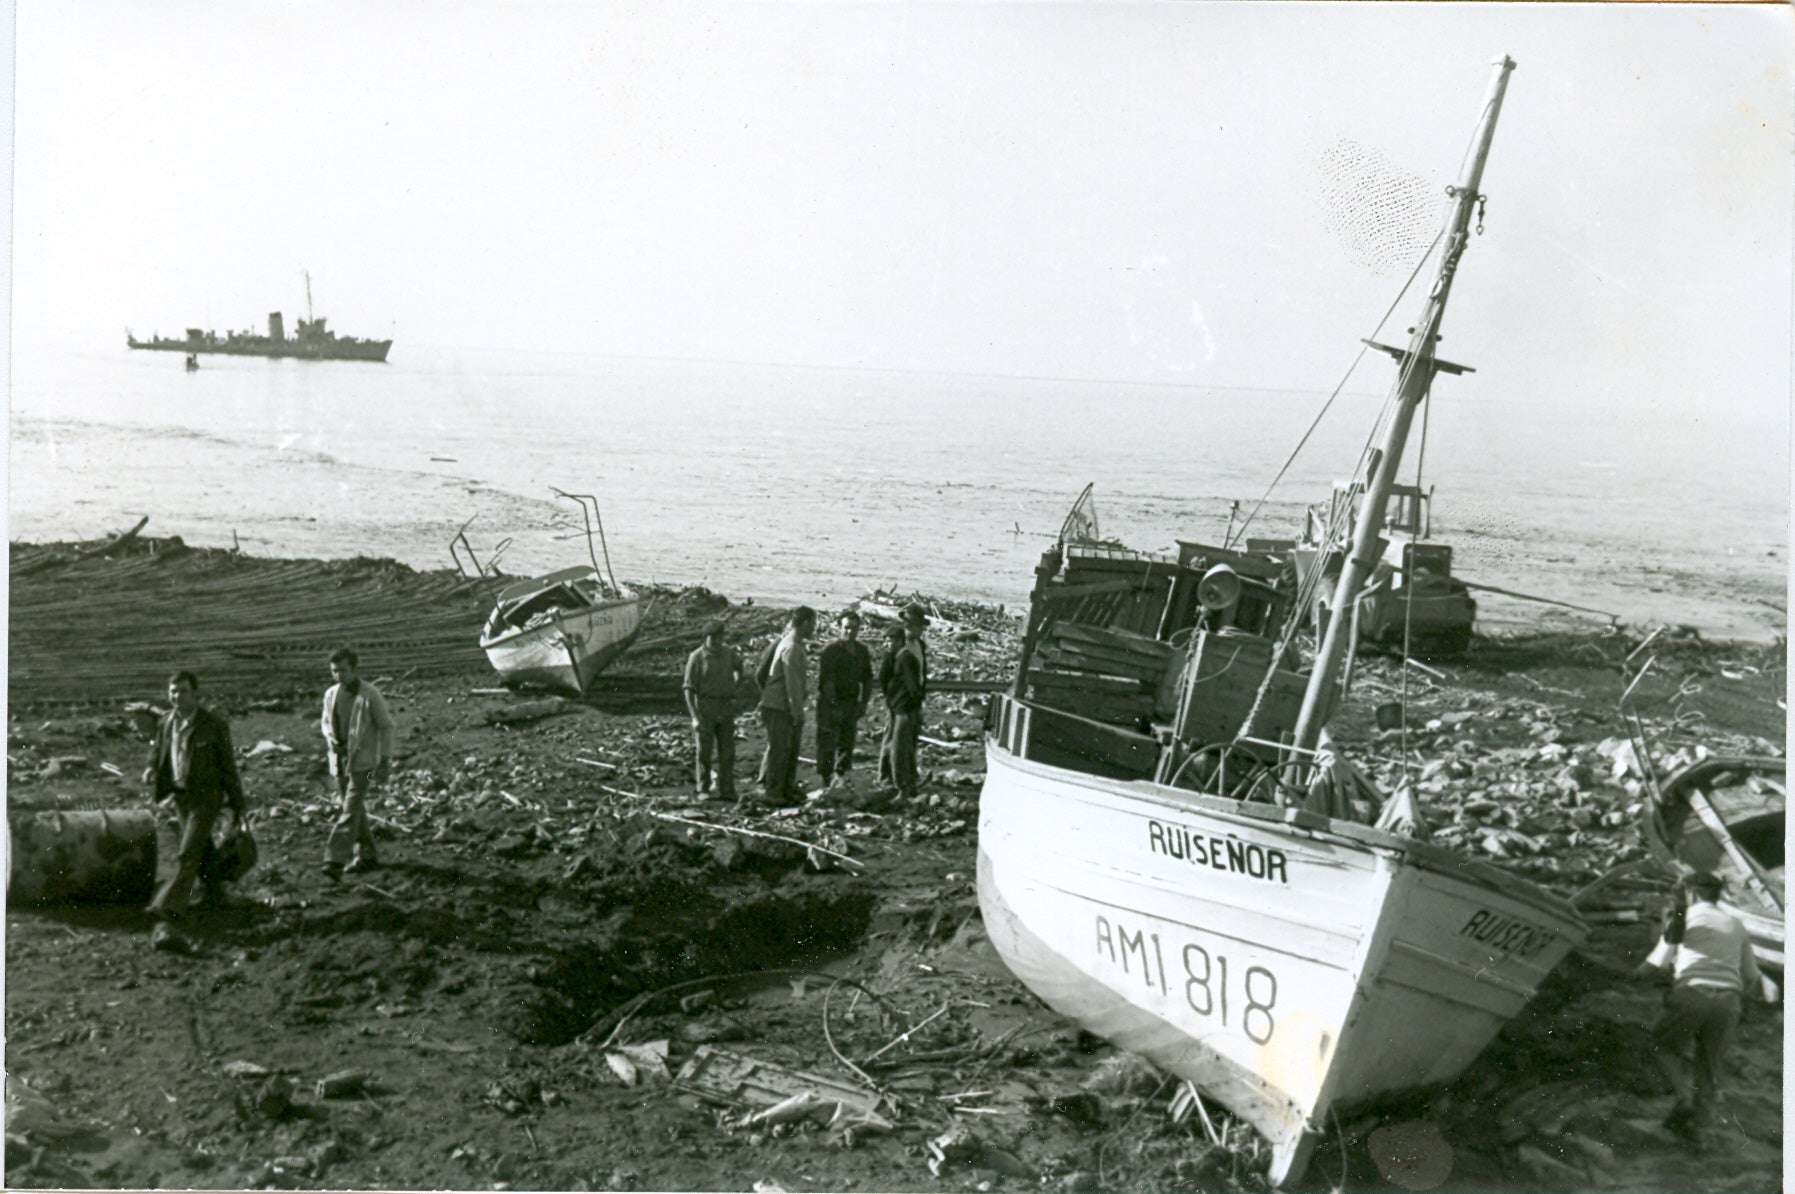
<point>561,928</point>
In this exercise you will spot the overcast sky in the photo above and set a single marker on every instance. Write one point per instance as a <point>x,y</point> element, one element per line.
<point>1197,192</point>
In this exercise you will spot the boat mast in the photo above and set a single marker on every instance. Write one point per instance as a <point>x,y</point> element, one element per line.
<point>1418,365</point>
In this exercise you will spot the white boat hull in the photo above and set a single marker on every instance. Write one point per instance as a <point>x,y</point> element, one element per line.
<point>1282,962</point>
<point>570,649</point>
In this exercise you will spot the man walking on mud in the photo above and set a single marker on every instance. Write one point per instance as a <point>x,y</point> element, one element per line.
<point>191,762</point>
<point>903,698</point>
<point>1709,954</point>
<point>358,732</point>
<point>713,673</point>
<point>844,686</point>
<point>782,707</point>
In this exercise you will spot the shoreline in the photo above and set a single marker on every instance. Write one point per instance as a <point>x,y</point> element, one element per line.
<point>1732,592</point>
<point>1510,619</point>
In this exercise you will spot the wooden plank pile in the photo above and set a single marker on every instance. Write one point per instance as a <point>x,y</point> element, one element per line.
<point>1229,671</point>
<point>1102,674</point>
<point>1063,739</point>
<point>1122,589</point>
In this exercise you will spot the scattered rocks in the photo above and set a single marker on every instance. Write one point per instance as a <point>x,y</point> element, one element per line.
<point>514,1095</point>
<point>528,711</point>
<point>62,765</point>
<point>1547,1172</point>
<point>274,1098</point>
<point>536,850</point>
<point>344,1084</point>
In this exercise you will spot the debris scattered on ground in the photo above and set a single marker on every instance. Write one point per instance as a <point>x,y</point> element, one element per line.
<point>553,896</point>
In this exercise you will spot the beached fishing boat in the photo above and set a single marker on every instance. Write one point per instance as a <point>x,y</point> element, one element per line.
<point>1727,814</point>
<point>562,629</point>
<point>1172,854</point>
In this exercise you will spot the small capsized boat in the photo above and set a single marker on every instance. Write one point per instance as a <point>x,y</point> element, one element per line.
<point>561,629</point>
<point>1726,814</point>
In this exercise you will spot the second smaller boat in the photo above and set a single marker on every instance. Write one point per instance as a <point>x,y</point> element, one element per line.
<point>1728,814</point>
<point>561,629</point>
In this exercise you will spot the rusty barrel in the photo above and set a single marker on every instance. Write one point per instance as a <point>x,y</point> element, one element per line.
<point>81,856</point>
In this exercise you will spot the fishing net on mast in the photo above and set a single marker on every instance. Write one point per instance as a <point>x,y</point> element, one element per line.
<point>1384,216</point>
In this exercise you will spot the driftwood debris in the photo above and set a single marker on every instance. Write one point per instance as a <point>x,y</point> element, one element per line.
<point>776,837</point>
<point>529,711</point>
<point>118,540</point>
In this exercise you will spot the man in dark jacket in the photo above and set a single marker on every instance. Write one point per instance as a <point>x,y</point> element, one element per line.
<point>903,697</point>
<point>192,765</point>
<point>844,687</point>
<point>887,666</point>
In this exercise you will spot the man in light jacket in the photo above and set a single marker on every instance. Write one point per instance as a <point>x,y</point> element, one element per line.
<point>358,731</point>
<point>782,707</point>
<point>1709,955</point>
<point>713,673</point>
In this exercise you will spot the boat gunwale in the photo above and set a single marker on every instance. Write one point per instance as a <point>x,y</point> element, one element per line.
<point>557,619</point>
<point>1674,789</point>
<point>526,587</point>
<point>1424,855</point>
<point>1662,839</point>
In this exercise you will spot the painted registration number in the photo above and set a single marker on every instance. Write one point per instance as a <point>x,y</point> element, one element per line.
<point>1236,997</point>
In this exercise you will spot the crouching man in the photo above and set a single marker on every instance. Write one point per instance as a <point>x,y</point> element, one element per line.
<point>1709,955</point>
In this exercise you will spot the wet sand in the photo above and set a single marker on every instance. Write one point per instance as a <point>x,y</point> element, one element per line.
<point>553,891</point>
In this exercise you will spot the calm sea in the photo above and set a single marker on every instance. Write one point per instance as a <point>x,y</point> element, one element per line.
<point>797,483</point>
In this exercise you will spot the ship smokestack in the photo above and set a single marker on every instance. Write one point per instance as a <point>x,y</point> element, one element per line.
<point>276,329</point>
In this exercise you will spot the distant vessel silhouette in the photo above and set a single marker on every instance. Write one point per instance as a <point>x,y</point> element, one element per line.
<point>313,341</point>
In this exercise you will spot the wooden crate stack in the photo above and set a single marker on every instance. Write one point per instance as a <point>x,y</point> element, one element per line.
<point>1106,675</point>
<point>1228,671</point>
<point>1118,588</point>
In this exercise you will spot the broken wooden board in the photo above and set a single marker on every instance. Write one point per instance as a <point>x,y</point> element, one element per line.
<point>1110,639</point>
<point>1062,739</point>
<point>529,711</point>
<point>1055,657</point>
<point>733,1080</point>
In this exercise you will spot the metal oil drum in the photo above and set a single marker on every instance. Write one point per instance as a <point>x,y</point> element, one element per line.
<point>81,856</point>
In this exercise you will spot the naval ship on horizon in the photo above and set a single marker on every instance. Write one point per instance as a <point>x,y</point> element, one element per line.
<point>313,341</point>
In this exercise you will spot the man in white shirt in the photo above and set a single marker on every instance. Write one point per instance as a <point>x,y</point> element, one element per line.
<point>782,708</point>
<point>1709,954</point>
<point>358,733</point>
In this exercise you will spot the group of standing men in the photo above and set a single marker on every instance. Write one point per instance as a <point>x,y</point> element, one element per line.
<point>845,684</point>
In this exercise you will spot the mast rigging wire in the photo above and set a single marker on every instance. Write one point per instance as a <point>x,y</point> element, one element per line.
<point>1340,514</point>
<point>1319,415</point>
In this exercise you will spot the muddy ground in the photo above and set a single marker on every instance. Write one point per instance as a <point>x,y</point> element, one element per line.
<point>560,923</point>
